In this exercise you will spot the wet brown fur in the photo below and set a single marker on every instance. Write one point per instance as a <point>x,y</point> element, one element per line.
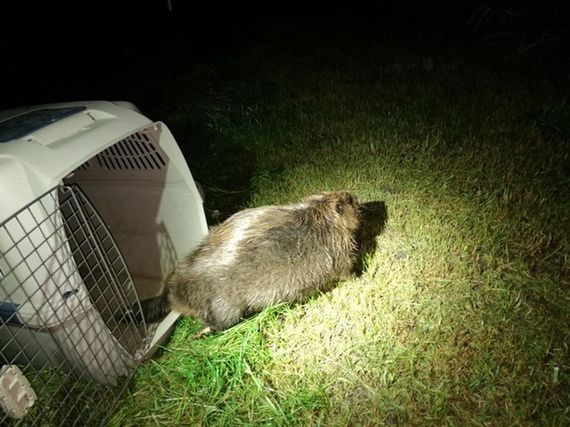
<point>263,256</point>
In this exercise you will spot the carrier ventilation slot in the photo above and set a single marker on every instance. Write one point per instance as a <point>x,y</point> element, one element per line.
<point>134,152</point>
<point>84,166</point>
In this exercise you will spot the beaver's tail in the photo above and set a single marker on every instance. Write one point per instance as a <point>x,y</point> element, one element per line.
<point>151,310</point>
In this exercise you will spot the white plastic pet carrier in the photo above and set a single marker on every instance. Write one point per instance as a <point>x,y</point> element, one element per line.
<point>96,205</point>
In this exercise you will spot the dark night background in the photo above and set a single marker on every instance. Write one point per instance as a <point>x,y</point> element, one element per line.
<point>168,60</point>
<point>88,50</point>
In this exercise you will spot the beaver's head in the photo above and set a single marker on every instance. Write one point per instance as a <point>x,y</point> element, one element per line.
<point>339,206</point>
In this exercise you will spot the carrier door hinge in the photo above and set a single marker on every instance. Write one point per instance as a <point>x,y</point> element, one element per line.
<point>16,393</point>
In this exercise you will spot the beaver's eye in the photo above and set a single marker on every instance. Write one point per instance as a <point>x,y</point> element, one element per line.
<point>339,207</point>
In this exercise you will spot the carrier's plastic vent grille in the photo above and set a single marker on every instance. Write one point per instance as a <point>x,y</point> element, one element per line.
<point>85,166</point>
<point>136,151</point>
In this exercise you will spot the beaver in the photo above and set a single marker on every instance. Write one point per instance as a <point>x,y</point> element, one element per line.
<point>263,256</point>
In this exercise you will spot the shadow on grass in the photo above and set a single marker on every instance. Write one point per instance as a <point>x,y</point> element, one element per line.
<point>373,218</point>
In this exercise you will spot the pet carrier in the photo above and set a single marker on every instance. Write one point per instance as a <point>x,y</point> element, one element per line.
<point>96,204</point>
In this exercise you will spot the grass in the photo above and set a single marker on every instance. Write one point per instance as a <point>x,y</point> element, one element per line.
<point>461,315</point>
<point>61,398</point>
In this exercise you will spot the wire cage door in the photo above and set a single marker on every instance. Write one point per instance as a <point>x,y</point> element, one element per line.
<point>69,338</point>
